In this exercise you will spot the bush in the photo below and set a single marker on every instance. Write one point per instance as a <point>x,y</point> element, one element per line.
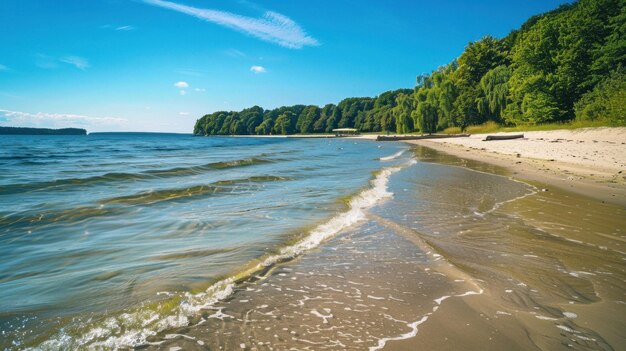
<point>452,130</point>
<point>487,127</point>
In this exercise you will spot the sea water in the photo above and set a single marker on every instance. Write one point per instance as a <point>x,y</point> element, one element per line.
<point>117,236</point>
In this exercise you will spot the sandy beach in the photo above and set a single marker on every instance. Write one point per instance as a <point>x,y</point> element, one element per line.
<point>590,161</point>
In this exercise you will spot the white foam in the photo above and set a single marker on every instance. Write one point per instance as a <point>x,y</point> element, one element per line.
<point>544,318</point>
<point>383,341</point>
<point>392,157</point>
<point>440,300</point>
<point>356,213</point>
<point>375,297</point>
<point>325,317</point>
<point>470,293</point>
<point>570,315</point>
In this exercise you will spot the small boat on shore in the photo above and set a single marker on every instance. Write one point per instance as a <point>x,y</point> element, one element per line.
<point>418,137</point>
<point>503,137</point>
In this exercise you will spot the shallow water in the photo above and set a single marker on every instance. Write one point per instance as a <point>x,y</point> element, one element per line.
<point>108,224</point>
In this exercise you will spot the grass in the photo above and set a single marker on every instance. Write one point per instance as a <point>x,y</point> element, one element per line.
<point>493,127</point>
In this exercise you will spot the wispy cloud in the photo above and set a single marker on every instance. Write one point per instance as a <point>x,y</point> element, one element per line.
<point>125,28</point>
<point>181,84</point>
<point>272,27</point>
<point>200,90</point>
<point>4,68</point>
<point>75,61</point>
<point>258,69</point>
<point>56,120</point>
<point>183,113</point>
<point>183,92</point>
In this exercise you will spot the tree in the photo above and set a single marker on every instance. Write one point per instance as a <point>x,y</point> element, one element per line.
<point>426,113</point>
<point>307,119</point>
<point>607,102</point>
<point>402,113</point>
<point>494,87</point>
<point>283,124</point>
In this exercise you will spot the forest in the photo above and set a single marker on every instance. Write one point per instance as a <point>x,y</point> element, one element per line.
<point>564,65</point>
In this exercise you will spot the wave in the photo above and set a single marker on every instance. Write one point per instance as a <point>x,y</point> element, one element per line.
<point>392,157</point>
<point>150,174</point>
<point>136,328</point>
<point>108,206</point>
<point>223,186</point>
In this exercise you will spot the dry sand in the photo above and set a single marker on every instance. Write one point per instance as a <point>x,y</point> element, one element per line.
<point>590,161</point>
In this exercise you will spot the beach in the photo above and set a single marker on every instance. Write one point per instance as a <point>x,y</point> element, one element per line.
<point>589,161</point>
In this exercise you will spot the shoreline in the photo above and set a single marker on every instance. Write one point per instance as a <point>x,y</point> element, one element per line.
<point>549,158</point>
<point>587,161</point>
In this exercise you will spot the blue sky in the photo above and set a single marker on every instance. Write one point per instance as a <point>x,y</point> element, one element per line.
<point>156,65</point>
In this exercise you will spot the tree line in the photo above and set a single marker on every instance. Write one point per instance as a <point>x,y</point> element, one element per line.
<point>565,64</point>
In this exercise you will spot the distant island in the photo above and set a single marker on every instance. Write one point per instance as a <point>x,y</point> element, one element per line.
<point>41,131</point>
<point>563,68</point>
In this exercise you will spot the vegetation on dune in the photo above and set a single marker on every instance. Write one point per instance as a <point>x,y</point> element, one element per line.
<point>565,67</point>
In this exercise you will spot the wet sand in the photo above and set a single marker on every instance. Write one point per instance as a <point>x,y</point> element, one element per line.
<point>460,258</point>
<point>590,161</point>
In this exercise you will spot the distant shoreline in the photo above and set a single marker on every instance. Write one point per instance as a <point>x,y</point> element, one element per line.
<point>41,131</point>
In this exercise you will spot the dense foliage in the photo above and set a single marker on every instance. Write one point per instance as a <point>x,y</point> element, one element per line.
<point>565,64</point>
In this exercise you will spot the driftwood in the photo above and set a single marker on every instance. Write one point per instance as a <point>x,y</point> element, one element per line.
<point>418,137</point>
<point>503,137</point>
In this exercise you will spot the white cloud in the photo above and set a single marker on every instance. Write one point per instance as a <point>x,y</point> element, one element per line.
<point>183,92</point>
<point>200,89</point>
<point>272,27</point>
<point>56,120</point>
<point>125,28</point>
<point>76,61</point>
<point>181,85</point>
<point>183,113</point>
<point>258,69</point>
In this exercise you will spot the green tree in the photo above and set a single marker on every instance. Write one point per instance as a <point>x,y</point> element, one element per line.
<point>307,119</point>
<point>607,102</point>
<point>284,123</point>
<point>494,87</point>
<point>402,113</point>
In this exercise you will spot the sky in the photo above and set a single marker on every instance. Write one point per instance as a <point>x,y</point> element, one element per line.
<point>157,65</point>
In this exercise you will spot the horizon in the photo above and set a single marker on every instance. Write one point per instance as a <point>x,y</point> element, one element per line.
<point>157,66</point>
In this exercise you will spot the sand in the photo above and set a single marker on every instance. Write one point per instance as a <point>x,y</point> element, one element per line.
<point>589,161</point>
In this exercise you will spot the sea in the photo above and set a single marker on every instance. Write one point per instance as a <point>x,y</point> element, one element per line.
<point>100,225</point>
<point>117,241</point>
